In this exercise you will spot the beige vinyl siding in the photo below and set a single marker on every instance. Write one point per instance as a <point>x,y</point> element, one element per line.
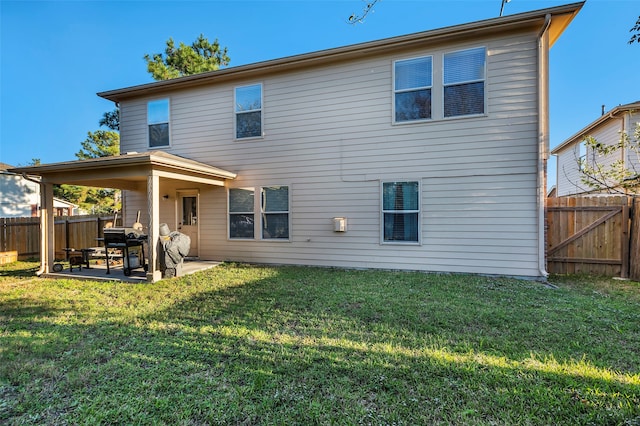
<point>328,135</point>
<point>132,201</point>
<point>569,175</point>
<point>633,160</point>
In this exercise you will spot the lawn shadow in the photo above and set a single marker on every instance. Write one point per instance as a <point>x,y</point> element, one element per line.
<point>314,346</point>
<point>369,339</point>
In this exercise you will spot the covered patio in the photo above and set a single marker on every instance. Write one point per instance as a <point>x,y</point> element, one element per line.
<point>138,172</point>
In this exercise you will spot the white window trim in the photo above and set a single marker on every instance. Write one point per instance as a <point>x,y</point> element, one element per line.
<point>394,91</point>
<point>258,213</point>
<point>419,211</point>
<point>235,113</point>
<point>159,122</point>
<point>229,213</point>
<point>262,213</point>
<point>484,80</point>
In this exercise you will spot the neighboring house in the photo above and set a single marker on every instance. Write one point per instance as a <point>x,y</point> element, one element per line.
<point>607,129</point>
<point>421,152</point>
<point>64,208</point>
<point>20,196</point>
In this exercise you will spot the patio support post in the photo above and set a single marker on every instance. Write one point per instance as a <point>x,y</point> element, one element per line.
<point>153,200</point>
<point>47,228</point>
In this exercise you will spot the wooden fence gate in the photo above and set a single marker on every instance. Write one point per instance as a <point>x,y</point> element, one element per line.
<point>591,235</point>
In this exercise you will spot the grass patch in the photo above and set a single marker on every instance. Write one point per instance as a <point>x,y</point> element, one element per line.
<point>243,344</point>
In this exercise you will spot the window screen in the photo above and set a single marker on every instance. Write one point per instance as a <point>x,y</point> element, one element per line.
<point>241,216</point>
<point>275,212</point>
<point>248,108</point>
<point>158,122</point>
<point>412,89</point>
<point>464,77</point>
<point>401,211</point>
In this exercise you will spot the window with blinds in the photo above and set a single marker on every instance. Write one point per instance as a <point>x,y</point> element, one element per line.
<point>400,212</point>
<point>412,89</point>
<point>463,80</point>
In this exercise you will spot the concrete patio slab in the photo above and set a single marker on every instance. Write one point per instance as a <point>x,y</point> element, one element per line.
<point>98,272</point>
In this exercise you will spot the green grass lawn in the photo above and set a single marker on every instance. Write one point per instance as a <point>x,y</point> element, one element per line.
<point>243,344</point>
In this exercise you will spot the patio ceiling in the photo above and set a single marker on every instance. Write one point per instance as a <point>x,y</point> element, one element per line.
<point>127,171</point>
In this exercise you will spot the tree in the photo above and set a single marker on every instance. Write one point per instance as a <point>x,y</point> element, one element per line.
<point>111,120</point>
<point>635,30</point>
<point>359,18</point>
<point>101,143</point>
<point>200,56</point>
<point>612,168</point>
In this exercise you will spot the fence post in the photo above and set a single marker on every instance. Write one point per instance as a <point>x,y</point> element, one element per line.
<point>624,270</point>
<point>634,255</point>
<point>3,234</point>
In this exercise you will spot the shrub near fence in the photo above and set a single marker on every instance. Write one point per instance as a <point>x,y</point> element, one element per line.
<point>23,234</point>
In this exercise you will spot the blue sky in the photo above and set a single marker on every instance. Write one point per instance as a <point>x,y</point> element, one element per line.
<point>56,55</point>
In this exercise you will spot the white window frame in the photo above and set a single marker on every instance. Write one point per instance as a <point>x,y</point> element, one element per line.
<point>263,213</point>
<point>236,112</point>
<point>412,89</point>
<point>457,83</point>
<point>252,212</point>
<point>259,211</point>
<point>418,211</point>
<point>151,123</point>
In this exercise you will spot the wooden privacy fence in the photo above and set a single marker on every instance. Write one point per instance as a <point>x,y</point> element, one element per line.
<point>23,234</point>
<point>594,235</point>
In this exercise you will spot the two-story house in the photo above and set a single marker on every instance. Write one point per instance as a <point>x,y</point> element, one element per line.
<point>608,129</point>
<point>421,152</point>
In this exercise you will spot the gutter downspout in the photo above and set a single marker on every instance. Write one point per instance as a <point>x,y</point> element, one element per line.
<point>43,240</point>
<point>543,141</point>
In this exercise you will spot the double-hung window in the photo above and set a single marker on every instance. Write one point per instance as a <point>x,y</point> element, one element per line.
<point>241,213</point>
<point>271,205</point>
<point>401,211</point>
<point>158,123</point>
<point>248,111</point>
<point>464,76</point>
<point>412,89</point>
<point>275,212</point>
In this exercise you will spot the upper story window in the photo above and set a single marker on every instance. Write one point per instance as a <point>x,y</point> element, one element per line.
<point>401,212</point>
<point>412,89</point>
<point>464,75</point>
<point>158,122</point>
<point>248,111</point>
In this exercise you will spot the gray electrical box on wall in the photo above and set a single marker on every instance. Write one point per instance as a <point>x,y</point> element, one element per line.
<point>340,224</point>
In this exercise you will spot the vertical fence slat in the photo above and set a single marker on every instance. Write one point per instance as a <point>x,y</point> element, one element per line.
<point>588,247</point>
<point>634,243</point>
<point>23,234</point>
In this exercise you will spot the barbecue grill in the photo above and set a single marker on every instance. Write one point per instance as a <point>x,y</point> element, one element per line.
<point>124,239</point>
